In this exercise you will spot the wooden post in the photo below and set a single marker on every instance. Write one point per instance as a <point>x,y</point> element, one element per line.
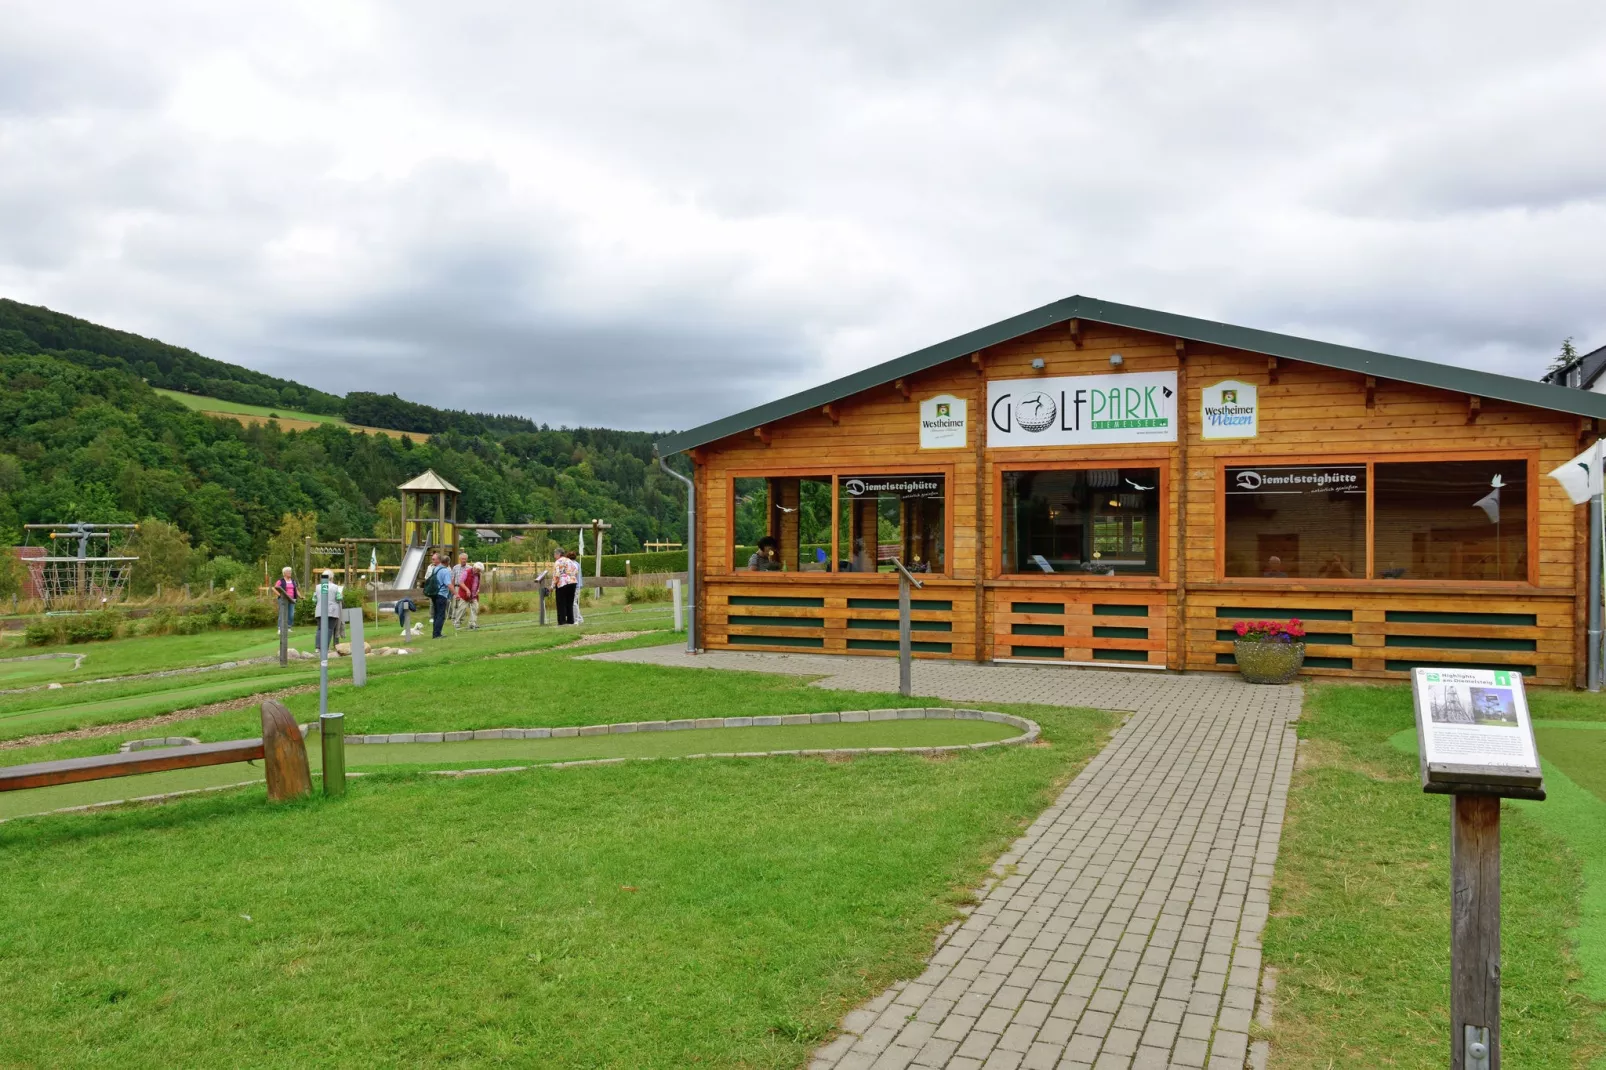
<point>284,754</point>
<point>332,736</point>
<point>284,631</point>
<point>306,561</point>
<point>904,644</point>
<point>1475,932</point>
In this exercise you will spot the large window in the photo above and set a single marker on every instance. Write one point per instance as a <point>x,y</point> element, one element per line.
<point>1430,520</point>
<point>1451,520</point>
<point>783,524</point>
<point>885,517</point>
<point>1297,521</point>
<point>1103,521</point>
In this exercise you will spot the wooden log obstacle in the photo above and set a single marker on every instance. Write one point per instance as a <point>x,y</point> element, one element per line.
<point>281,748</point>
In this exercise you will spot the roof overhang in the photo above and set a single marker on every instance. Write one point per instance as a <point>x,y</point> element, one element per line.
<point>1269,343</point>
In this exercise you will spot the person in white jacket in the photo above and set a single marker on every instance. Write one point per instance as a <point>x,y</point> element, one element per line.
<point>327,606</point>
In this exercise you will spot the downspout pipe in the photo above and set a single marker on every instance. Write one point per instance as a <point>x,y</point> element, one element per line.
<point>691,552</point>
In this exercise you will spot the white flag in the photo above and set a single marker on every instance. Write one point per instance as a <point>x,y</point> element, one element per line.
<point>373,559</point>
<point>1580,477</point>
<point>1490,504</point>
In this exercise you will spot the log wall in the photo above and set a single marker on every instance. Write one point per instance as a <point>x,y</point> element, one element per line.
<point>1180,619</point>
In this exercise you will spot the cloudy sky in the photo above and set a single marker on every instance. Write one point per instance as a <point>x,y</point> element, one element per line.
<point>650,214</point>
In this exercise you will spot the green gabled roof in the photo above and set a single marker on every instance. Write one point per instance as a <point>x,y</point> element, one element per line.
<point>1362,361</point>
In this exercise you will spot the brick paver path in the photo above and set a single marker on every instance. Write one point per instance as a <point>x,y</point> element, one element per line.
<point>1124,929</point>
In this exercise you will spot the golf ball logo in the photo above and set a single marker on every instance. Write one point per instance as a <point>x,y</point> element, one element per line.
<point>1035,412</point>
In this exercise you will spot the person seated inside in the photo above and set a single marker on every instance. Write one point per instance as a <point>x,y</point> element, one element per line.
<point>1274,568</point>
<point>861,558</point>
<point>1334,568</point>
<point>767,557</point>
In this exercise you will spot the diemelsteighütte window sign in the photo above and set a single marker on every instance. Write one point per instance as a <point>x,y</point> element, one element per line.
<point>1082,410</point>
<point>1229,409</point>
<point>1474,734</point>
<point>943,423</point>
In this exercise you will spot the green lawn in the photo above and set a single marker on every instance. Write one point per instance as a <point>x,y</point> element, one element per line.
<point>39,712</point>
<point>1360,917</point>
<point>723,912</point>
<point>514,753</point>
<point>204,404</point>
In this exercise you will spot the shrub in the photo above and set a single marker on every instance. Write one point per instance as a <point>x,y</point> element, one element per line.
<point>47,631</point>
<point>251,613</point>
<point>92,627</point>
<point>647,589</point>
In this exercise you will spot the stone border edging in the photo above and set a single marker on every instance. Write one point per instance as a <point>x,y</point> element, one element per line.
<point>1030,732</point>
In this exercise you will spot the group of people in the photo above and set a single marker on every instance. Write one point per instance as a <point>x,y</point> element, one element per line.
<point>328,601</point>
<point>452,590</point>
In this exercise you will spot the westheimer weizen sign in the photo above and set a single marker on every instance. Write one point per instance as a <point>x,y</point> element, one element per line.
<point>1079,410</point>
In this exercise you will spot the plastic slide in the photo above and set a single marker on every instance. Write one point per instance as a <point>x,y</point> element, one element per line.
<point>408,573</point>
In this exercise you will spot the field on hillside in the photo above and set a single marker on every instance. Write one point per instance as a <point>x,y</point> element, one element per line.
<point>288,419</point>
<point>718,912</point>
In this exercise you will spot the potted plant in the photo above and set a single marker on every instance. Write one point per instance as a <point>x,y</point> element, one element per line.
<point>1269,651</point>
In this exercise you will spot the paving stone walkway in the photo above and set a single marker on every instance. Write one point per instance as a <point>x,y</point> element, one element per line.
<point>1123,929</point>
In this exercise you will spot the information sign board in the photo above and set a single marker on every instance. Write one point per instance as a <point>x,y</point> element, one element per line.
<point>1474,734</point>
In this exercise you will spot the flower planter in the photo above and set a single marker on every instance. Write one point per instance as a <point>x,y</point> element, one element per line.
<point>1268,663</point>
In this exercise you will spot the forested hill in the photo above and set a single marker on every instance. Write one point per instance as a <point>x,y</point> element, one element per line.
<point>34,329</point>
<point>84,436</point>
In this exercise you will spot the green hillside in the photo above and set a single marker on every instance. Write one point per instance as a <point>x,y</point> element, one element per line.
<point>86,434</point>
<point>206,404</point>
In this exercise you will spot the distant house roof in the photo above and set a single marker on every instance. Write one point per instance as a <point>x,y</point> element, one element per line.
<point>1581,373</point>
<point>1362,361</point>
<point>487,535</point>
<point>428,481</point>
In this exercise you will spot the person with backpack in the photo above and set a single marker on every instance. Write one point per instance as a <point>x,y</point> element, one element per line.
<point>438,589</point>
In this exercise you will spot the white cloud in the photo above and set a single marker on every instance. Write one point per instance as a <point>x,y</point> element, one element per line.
<point>650,214</point>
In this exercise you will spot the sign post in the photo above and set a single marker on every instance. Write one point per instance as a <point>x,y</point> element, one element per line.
<point>1475,742</point>
<point>284,631</point>
<point>674,596</point>
<point>905,643</point>
<point>323,648</point>
<point>359,649</point>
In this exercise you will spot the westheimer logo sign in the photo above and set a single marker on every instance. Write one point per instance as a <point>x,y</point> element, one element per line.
<point>1229,410</point>
<point>1082,410</point>
<point>942,423</point>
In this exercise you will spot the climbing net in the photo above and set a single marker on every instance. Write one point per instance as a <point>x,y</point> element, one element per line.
<point>82,579</point>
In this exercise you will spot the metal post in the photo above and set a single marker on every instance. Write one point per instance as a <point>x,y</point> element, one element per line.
<point>332,730</point>
<point>674,596</point>
<point>1475,932</point>
<point>691,555</point>
<point>904,653</point>
<point>323,650</point>
<point>284,631</point>
<point>596,541</point>
<point>1594,655</point>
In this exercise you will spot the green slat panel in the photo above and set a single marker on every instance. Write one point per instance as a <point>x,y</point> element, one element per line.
<point>813,641</point>
<point>892,644</point>
<point>1256,613</point>
<point>1227,635</point>
<point>1120,611</point>
<point>1460,642</point>
<point>1037,652</point>
<point>1037,607</point>
<point>779,622</point>
<point>1037,629</point>
<point>1416,616</point>
<point>775,600</point>
<point>892,625</point>
<point>1120,655</point>
<point>1407,666</point>
<point>940,605</point>
<point>1101,631</point>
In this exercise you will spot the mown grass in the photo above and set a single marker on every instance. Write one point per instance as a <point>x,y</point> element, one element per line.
<point>40,712</point>
<point>713,913</point>
<point>1360,925</point>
